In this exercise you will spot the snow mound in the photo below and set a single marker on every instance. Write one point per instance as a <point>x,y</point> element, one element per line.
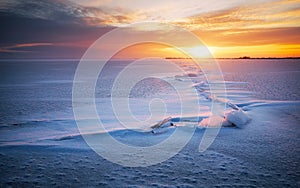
<point>238,117</point>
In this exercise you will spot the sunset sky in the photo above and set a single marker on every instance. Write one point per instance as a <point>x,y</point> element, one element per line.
<point>231,28</point>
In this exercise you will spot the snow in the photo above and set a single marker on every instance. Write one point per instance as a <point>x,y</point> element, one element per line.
<point>237,117</point>
<point>40,144</point>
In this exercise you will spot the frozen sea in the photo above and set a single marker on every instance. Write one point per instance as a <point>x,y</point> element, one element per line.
<point>40,144</point>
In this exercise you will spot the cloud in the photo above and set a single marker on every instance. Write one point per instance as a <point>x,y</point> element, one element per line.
<point>249,37</point>
<point>63,11</point>
<point>18,47</point>
<point>165,10</point>
<point>92,3</point>
<point>257,28</point>
<point>60,11</point>
<point>277,14</point>
<point>65,29</point>
<point>31,26</point>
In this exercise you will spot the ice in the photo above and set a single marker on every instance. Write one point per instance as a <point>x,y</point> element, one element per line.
<point>42,146</point>
<point>238,118</point>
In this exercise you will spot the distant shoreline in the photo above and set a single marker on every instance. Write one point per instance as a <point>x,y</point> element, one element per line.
<point>239,58</point>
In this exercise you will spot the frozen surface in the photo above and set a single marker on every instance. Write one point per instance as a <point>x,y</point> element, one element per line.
<point>40,144</point>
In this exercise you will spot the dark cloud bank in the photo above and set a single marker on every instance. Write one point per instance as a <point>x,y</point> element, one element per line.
<point>46,29</point>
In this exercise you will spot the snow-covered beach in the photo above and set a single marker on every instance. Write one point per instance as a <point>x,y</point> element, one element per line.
<point>41,145</point>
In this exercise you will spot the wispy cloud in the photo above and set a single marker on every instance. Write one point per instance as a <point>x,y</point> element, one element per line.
<point>56,10</point>
<point>20,47</point>
<point>192,14</point>
<point>66,12</point>
<point>279,14</point>
<point>167,10</point>
<point>248,37</point>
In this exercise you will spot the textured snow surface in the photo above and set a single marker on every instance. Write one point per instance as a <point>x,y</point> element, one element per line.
<point>40,144</point>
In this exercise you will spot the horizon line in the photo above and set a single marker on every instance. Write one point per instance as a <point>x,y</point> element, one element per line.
<point>75,59</point>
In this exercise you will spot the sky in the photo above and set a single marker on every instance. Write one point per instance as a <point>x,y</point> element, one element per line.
<point>231,28</point>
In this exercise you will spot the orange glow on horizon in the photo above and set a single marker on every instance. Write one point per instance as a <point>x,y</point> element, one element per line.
<point>157,50</point>
<point>144,50</point>
<point>269,50</point>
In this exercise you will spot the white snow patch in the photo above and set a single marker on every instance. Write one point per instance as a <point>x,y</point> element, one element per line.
<point>237,117</point>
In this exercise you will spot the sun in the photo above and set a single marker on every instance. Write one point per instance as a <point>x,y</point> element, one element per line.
<point>198,51</point>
